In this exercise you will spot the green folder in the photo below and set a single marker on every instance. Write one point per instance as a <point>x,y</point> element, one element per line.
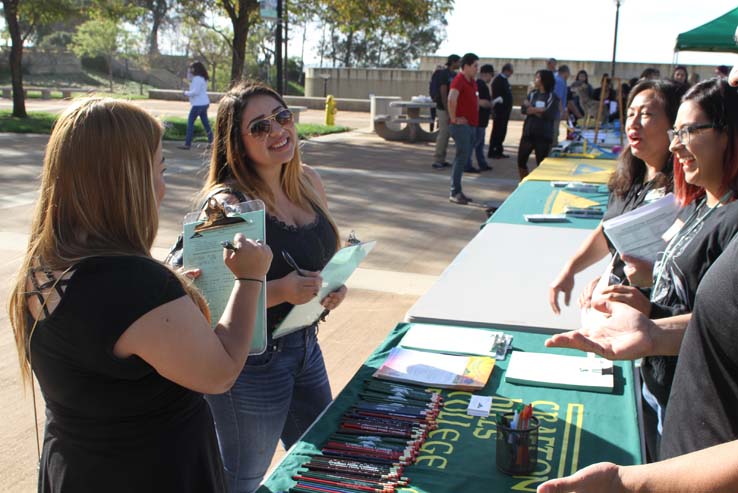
<point>334,275</point>
<point>202,249</point>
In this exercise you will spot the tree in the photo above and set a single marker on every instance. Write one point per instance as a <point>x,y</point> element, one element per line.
<point>213,48</point>
<point>378,32</point>
<point>22,20</point>
<point>99,37</point>
<point>157,10</point>
<point>10,9</point>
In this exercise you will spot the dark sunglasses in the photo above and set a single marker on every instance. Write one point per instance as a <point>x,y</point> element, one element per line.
<point>262,128</point>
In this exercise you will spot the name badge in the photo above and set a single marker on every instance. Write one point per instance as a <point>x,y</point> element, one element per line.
<point>540,104</point>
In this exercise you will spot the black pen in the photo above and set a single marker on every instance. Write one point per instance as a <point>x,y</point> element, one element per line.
<point>228,245</point>
<point>288,258</point>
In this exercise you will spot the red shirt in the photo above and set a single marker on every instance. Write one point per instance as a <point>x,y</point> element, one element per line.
<point>467,104</point>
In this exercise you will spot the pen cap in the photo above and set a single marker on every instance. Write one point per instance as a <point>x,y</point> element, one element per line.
<point>516,450</point>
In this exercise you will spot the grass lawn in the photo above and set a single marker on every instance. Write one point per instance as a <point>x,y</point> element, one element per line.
<point>41,123</point>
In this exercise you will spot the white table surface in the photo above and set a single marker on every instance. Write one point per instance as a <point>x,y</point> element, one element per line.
<point>501,278</point>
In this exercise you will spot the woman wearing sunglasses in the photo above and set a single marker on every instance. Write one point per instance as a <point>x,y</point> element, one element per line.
<point>281,392</point>
<point>704,142</point>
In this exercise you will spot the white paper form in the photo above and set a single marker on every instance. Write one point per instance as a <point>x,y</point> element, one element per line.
<point>639,233</point>
<point>203,250</point>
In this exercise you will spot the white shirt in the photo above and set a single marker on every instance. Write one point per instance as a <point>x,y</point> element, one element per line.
<point>198,92</point>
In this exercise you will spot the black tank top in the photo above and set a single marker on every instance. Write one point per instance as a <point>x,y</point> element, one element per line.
<point>311,245</point>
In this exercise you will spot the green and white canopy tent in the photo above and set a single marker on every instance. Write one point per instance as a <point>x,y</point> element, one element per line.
<point>718,35</point>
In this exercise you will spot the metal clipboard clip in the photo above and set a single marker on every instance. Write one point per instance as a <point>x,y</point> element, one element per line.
<point>216,217</point>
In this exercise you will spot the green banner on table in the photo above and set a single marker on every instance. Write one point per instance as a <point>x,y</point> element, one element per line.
<point>576,429</point>
<point>539,197</point>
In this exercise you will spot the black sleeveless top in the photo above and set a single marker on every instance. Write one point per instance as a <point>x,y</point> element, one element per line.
<point>311,245</point>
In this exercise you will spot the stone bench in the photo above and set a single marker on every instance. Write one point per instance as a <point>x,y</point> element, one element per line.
<point>411,132</point>
<point>7,92</point>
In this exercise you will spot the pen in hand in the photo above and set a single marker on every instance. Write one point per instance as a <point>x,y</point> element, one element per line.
<point>228,245</point>
<point>291,262</point>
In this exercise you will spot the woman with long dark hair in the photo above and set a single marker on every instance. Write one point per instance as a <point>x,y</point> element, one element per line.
<point>540,108</point>
<point>199,102</point>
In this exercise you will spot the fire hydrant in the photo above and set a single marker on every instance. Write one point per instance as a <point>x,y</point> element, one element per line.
<point>330,110</point>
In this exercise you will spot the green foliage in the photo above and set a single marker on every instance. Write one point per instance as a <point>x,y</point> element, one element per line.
<point>55,42</point>
<point>97,37</point>
<point>176,127</point>
<point>379,33</point>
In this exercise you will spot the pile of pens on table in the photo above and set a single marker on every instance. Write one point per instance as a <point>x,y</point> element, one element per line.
<point>378,437</point>
<point>517,440</point>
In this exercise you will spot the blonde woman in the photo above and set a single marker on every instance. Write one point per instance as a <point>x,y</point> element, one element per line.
<point>281,392</point>
<point>121,346</point>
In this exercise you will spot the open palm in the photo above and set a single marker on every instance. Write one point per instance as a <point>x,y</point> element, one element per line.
<point>625,335</point>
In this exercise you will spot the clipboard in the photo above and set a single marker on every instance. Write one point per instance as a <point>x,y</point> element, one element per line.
<point>334,274</point>
<point>202,249</point>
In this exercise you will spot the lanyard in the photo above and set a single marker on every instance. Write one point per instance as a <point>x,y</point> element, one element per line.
<point>692,222</point>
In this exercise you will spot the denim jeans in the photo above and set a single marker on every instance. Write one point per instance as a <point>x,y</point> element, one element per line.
<point>202,112</point>
<point>278,395</point>
<point>464,138</point>
<point>478,148</point>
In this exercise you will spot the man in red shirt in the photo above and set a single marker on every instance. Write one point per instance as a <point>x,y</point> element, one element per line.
<point>463,112</point>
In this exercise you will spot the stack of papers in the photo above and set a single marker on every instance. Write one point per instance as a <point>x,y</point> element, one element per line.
<point>559,371</point>
<point>457,340</point>
<point>438,370</point>
<point>639,233</point>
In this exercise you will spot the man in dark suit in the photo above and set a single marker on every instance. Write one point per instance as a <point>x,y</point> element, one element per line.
<point>500,89</point>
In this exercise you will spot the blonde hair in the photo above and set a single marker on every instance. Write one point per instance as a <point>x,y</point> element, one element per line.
<point>230,163</point>
<point>97,197</point>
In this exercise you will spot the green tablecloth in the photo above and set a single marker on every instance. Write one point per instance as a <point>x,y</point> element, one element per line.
<point>539,197</point>
<point>577,429</point>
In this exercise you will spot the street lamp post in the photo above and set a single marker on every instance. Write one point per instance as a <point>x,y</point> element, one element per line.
<point>615,38</point>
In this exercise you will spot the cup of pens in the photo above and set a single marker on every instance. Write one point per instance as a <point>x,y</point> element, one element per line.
<point>517,443</point>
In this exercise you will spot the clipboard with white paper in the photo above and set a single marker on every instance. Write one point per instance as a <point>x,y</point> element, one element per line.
<point>334,275</point>
<point>202,249</point>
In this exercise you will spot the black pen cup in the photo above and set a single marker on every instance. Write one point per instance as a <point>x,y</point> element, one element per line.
<point>517,447</point>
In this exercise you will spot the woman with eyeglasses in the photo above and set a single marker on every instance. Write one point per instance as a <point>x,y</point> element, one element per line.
<point>704,142</point>
<point>279,393</point>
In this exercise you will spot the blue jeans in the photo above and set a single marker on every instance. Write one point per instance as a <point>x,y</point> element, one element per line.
<point>464,137</point>
<point>278,395</point>
<point>202,112</point>
<point>479,148</point>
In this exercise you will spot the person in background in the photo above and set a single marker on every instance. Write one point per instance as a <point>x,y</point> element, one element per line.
<point>121,346</point>
<point>463,112</point>
<point>199,102</point>
<point>279,393</point>
<point>486,72</point>
<point>680,75</point>
<point>501,112</point>
<point>561,91</point>
<point>650,74</point>
<point>551,65</point>
<point>722,71</point>
<point>583,78</point>
<point>539,109</point>
<point>442,80</point>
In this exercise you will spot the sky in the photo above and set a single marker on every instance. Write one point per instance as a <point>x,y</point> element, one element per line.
<point>573,29</point>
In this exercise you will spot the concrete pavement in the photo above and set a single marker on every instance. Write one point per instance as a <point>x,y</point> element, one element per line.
<point>382,190</point>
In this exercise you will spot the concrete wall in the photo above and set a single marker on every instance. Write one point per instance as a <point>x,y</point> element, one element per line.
<point>42,63</point>
<point>360,83</point>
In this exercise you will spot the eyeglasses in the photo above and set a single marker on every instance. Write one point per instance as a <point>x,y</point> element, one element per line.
<point>684,133</point>
<point>261,128</point>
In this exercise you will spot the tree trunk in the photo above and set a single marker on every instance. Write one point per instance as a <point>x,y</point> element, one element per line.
<point>241,21</point>
<point>109,59</point>
<point>16,56</point>
<point>154,37</point>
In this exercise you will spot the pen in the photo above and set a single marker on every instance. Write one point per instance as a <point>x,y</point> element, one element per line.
<point>291,262</point>
<point>228,245</point>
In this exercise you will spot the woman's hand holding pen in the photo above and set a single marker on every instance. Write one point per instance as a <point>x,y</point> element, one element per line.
<point>335,298</point>
<point>247,258</point>
<point>299,289</point>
